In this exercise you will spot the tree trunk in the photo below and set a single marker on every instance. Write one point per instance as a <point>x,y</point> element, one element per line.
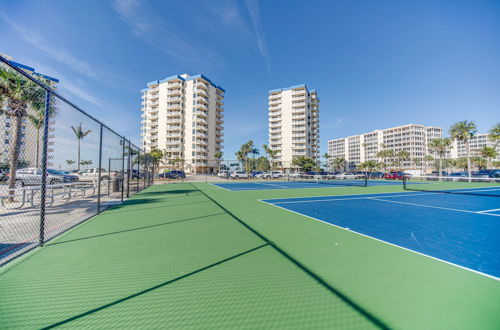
<point>440,167</point>
<point>15,145</point>
<point>78,155</point>
<point>467,146</point>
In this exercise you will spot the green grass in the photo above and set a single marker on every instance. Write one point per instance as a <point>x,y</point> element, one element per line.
<point>171,257</point>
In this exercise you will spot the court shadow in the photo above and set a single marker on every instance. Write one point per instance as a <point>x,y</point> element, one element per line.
<point>153,288</point>
<point>134,229</point>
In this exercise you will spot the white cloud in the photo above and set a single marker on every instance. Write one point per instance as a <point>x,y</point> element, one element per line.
<point>156,32</point>
<point>55,53</point>
<point>253,9</point>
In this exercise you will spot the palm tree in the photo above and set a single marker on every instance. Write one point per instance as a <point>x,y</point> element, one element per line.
<point>155,157</point>
<point>218,157</point>
<point>369,166</point>
<point>271,153</point>
<point>488,153</point>
<point>326,156</point>
<point>69,162</point>
<point>495,134</point>
<point>418,163</point>
<point>85,163</point>
<point>19,93</point>
<point>339,163</point>
<point>463,131</point>
<point>37,119</point>
<point>80,134</point>
<point>255,152</point>
<point>401,156</point>
<point>427,160</point>
<point>440,146</point>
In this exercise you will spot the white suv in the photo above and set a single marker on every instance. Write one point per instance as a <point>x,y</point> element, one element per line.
<point>239,175</point>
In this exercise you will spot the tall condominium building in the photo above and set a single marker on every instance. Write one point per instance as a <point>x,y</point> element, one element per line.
<point>28,147</point>
<point>476,143</point>
<point>294,123</point>
<point>359,148</point>
<point>182,115</point>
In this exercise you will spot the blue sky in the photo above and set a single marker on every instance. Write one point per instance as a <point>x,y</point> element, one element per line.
<point>375,64</point>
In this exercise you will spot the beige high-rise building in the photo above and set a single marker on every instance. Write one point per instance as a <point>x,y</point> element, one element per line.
<point>360,148</point>
<point>182,115</point>
<point>294,123</point>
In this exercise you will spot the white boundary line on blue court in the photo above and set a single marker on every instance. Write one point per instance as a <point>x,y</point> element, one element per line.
<point>382,241</point>
<point>486,211</point>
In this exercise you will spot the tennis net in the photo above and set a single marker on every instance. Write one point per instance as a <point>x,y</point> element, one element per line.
<point>331,180</point>
<point>475,185</point>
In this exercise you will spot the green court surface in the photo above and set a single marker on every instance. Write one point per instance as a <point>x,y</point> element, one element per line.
<point>198,256</point>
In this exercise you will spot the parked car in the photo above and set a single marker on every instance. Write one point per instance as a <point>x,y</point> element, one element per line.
<point>396,175</point>
<point>239,175</point>
<point>295,175</point>
<point>33,176</point>
<point>376,175</point>
<point>91,174</point>
<point>176,174</point>
<point>256,174</point>
<point>457,176</point>
<point>349,176</point>
<point>3,175</point>
<point>495,173</point>
<point>223,174</point>
<point>272,175</point>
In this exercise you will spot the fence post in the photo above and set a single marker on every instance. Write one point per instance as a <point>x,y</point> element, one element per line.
<point>128,169</point>
<point>99,173</point>
<point>44,166</point>
<point>123,165</point>
<point>138,169</point>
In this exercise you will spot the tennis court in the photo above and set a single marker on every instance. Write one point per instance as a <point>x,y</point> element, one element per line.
<point>192,255</point>
<point>461,229</point>
<point>301,184</point>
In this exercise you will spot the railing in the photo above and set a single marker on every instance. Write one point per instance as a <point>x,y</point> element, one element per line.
<point>51,186</point>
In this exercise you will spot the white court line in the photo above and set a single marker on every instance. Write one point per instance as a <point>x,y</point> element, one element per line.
<point>377,239</point>
<point>434,207</point>
<point>346,199</point>
<point>213,184</point>
<point>492,210</point>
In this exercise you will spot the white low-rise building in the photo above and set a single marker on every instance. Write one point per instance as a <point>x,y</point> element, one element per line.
<point>412,138</point>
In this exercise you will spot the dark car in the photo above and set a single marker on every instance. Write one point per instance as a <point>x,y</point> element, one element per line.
<point>489,173</point>
<point>375,175</point>
<point>173,175</point>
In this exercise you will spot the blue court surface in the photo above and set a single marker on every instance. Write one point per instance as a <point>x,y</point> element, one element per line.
<point>461,229</point>
<point>265,185</point>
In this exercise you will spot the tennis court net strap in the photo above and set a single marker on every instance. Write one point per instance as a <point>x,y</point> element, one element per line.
<point>481,186</point>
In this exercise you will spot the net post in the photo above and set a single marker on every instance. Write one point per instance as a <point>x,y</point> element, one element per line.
<point>404,182</point>
<point>123,167</point>
<point>366,181</point>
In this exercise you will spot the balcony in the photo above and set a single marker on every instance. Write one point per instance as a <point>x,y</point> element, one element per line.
<point>174,92</point>
<point>153,103</point>
<point>201,99</point>
<point>174,106</point>
<point>201,85</point>
<point>200,113</point>
<point>174,113</point>
<point>201,92</point>
<point>174,135</point>
<point>201,106</point>
<point>202,128</point>
<point>173,142</point>
<point>297,92</point>
<point>174,120</point>
<point>201,121</point>
<point>200,134</point>
<point>174,85</point>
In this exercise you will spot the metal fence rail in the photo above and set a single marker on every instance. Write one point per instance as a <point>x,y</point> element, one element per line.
<point>59,166</point>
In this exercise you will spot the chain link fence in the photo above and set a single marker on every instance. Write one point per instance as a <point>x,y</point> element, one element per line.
<point>59,166</point>
<point>216,170</point>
